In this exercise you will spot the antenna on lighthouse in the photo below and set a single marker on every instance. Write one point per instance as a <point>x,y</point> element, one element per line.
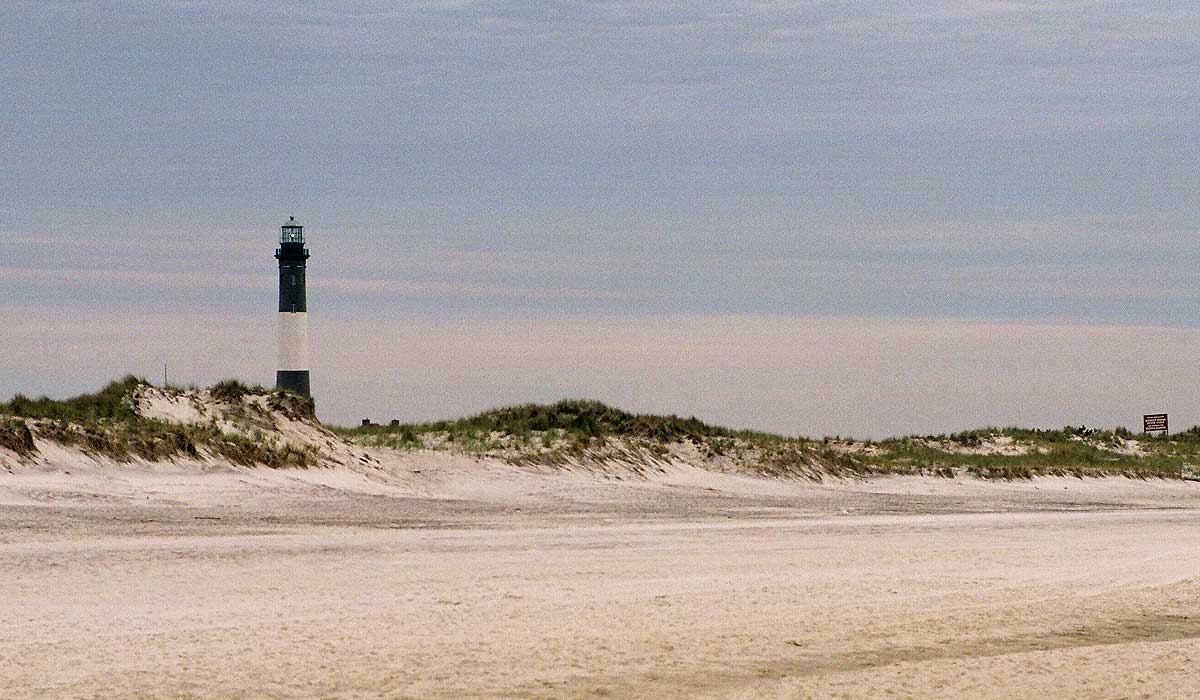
<point>292,374</point>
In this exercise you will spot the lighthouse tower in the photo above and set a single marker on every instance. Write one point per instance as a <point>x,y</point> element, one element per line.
<point>292,374</point>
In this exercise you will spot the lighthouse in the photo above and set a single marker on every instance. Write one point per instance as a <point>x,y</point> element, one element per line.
<point>292,374</point>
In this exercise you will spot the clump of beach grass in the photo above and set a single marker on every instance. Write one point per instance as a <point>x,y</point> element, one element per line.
<point>106,424</point>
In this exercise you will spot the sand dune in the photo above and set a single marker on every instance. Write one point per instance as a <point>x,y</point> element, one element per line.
<point>384,573</point>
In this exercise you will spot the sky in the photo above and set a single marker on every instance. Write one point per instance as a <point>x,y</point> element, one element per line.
<point>809,217</point>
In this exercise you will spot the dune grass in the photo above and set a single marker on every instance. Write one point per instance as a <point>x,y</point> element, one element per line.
<point>583,431</point>
<point>232,390</point>
<point>112,402</point>
<point>571,420</point>
<point>106,424</point>
<point>576,431</point>
<point>15,436</point>
<point>1063,452</point>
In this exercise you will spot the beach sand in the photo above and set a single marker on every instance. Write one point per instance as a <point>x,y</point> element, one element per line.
<point>439,576</point>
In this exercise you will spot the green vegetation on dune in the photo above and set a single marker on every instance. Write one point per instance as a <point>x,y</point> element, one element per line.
<point>553,433</point>
<point>106,423</point>
<point>1051,452</point>
<point>231,391</point>
<point>154,440</point>
<point>572,417</point>
<point>111,402</point>
<point>588,431</point>
<point>580,433</point>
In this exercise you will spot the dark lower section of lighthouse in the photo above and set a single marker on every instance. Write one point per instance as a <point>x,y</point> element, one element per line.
<point>293,380</point>
<point>292,372</point>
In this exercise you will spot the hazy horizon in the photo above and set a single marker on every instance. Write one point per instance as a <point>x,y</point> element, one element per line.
<point>860,377</point>
<point>792,216</point>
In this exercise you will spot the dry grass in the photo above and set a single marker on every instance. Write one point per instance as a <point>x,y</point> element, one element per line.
<point>106,424</point>
<point>588,433</point>
<point>15,436</point>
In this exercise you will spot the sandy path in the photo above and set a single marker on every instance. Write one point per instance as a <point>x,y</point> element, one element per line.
<point>1091,604</point>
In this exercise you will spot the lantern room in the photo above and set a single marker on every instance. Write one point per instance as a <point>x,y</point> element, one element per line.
<point>291,231</point>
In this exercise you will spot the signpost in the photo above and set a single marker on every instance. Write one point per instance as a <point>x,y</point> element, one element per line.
<point>1155,422</point>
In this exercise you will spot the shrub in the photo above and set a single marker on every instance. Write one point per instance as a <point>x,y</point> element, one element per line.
<point>575,418</point>
<point>232,391</point>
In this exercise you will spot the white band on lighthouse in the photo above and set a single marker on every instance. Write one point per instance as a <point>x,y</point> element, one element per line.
<point>293,341</point>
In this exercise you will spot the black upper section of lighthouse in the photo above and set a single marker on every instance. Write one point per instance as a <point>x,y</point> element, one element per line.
<point>293,257</point>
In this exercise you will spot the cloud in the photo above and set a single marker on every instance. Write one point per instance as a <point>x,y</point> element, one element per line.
<point>492,160</point>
